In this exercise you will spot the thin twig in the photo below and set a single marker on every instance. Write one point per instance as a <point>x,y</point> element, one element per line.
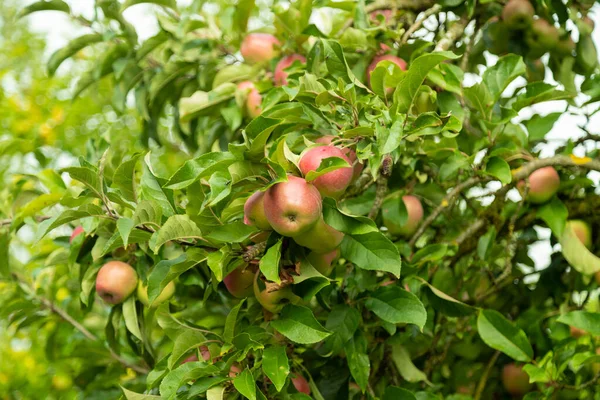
<point>418,23</point>
<point>455,31</point>
<point>485,376</point>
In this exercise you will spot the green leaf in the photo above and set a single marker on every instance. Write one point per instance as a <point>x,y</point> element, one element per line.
<point>396,306</point>
<point>486,243</point>
<point>4,256</point>
<point>410,82</point>
<point>131,318</point>
<point>506,70</point>
<point>205,385</point>
<point>87,176</point>
<point>166,271</point>
<point>85,211</point>
<point>45,5</point>
<point>538,92</point>
<point>500,334</point>
<point>336,62</point>
<point>231,321</point>
<point>147,213</point>
<point>298,324</point>
<point>177,227</point>
<point>539,126</point>
<point>358,360</point>
<point>129,395</point>
<point>588,321</point>
<point>198,168</point>
<point>124,178</point>
<point>184,344</point>
<point>446,304</point>
<point>165,3</point>
<point>71,49</point>
<point>432,252</point>
<point>275,365</point>
<point>575,252</point>
<point>203,103</point>
<point>269,263</point>
<point>215,393</point>
<point>500,169</point>
<point>35,206</point>
<point>327,165</point>
<point>372,251</point>
<point>151,190</point>
<point>408,371</point>
<point>124,226</point>
<point>343,321</point>
<point>388,139</point>
<point>184,373</point>
<point>396,393</point>
<point>233,232</point>
<point>244,383</point>
<point>554,213</point>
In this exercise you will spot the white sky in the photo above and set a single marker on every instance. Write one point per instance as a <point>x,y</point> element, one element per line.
<point>59,29</point>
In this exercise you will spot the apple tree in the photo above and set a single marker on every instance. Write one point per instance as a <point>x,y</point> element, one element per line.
<point>328,200</point>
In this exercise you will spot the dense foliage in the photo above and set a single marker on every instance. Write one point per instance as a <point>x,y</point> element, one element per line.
<point>328,200</point>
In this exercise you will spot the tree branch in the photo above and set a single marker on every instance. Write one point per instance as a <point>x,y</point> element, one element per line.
<point>455,31</point>
<point>417,25</point>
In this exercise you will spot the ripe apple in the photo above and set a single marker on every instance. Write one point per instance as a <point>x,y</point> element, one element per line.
<point>234,370</point>
<point>387,15</point>
<point>204,351</point>
<point>332,184</point>
<point>292,207</point>
<point>259,47</point>
<point>518,13</point>
<point>415,215</point>
<point>254,211</point>
<point>116,281</point>
<point>253,99</point>
<point>515,380</point>
<point>543,184</point>
<point>166,294</point>
<point>357,166</point>
<point>280,74</point>
<point>301,384</point>
<point>386,57</point>
<point>582,231</point>
<point>323,262</point>
<point>321,238</point>
<point>273,299</point>
<point>239,282</point>
<point>77,231</point>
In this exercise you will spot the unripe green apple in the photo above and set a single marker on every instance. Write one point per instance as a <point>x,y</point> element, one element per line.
<point>116,281</point>
<point>357,166</point>
<point>270,296</point>
<point>518,14</point>
<point>495,38</point>
<point>254,211</point>
<point>253,99</point>
<point>515,380</point>
<point>324,262</point>
<point>166,294</point>
<point>415,215</point>
<point>425,101</point>
<point>301,384</point>
<point>542,36</point>
<point>259,47</point>
<point>292,207</point>
<point>565,47</point>
<point>581,230</point>
<point>77,231</point>
<point>61,382</point>
<point>280,75</point>
<point>386,57</point>
<point>321,238</point>
<point>239,282</point>
<point>332,184</point>
<point>543,184</point>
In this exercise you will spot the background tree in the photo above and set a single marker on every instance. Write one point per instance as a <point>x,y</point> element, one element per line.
<point>352,172</point>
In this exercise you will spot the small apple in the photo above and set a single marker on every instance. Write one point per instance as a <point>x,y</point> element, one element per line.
<point>292,207</point>
<point>116,281</point>
<point>515,380</point>
<point>281,75</point>
<point>321,238</point>
<point>166,294</point>
<point>254,211</point>
<point>253,99</point>
<point>301,384</point>
<point>357,166</point>
<point>324,262</point>
<point>270,296</point>
<point>581,230</point>
<point>542,36</point>
<point>259,47</point>
<point>239,282</point>
<point>543,184</point>
<point>77,231</point>
<point>332,184</point>
<point>414,210</point>
<point>386,57</point>
<point>234,370</point>
<point>518,14</point>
